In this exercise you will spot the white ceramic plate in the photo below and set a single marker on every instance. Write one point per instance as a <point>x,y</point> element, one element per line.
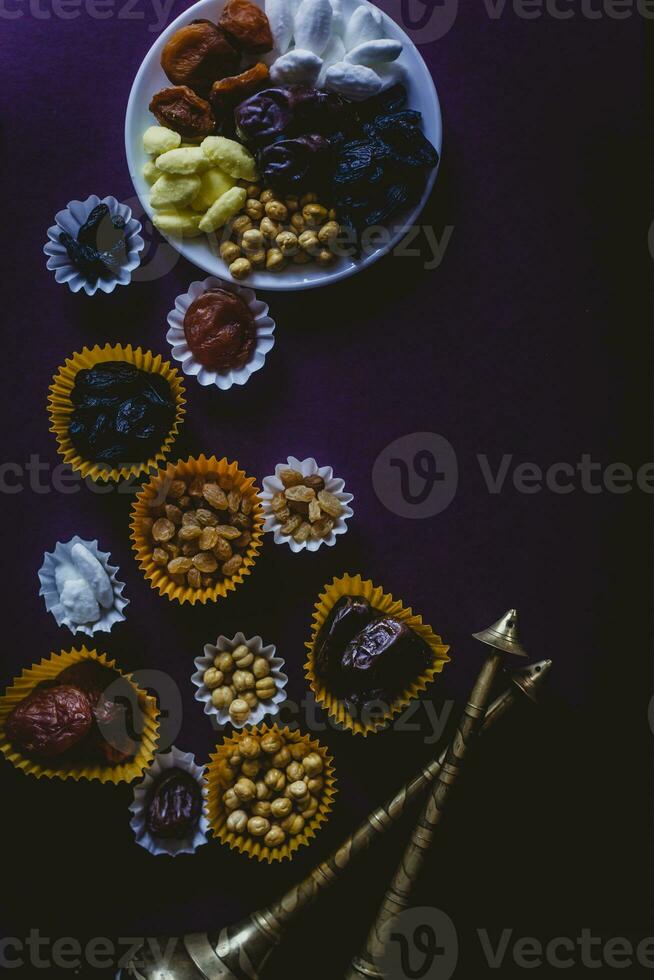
<point>150,78</point>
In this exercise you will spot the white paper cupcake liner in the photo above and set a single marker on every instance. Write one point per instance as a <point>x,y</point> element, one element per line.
<point>71,219</point>
<point>173,759</point>
<point>182,353</point>
<point>265,709</point>
<point>307,467</point>
<point>50,592</point>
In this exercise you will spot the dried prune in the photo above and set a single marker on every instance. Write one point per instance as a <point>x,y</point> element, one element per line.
<point>180,109</point>
<point>220,330</point>
<point>247,26</point>
<point>102,231</point>
<point>174,805</point>
<point>50,721</point>
<point>121,414</point>
<point>85,257</point>
<point>198,54</point>
<point>386,656</point>
<point>288,165</point>
<point>228,92</point>
<point>276,113</point>
<point>346,618</point>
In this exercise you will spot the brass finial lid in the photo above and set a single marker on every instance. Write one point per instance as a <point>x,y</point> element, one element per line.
<point>503,635</point>
<point>529,679</point>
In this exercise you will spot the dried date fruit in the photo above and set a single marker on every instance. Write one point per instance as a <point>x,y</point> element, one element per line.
<point>346,618</point>
<point>180,109</point>
<point>228,92</point>
<point>198,54</point>
<point>50,721</point>
<point>174,805</point>
<point>382,660</point>
<point>247,26</point>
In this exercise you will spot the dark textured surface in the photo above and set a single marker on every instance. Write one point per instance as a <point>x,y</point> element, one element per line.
<point>524,341</point>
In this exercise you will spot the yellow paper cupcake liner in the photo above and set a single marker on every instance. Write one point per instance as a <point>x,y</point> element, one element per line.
<point>143,545</point>
<point>48,670</point>
<point>384,603</point>
<point>60,407</point>
<point>218,782</point>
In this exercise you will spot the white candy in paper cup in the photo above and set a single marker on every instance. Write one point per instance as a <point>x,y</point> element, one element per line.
<point>176,337</point>
<point>47,576</point>
<point>264,709</point>
<point>307,467</point>
<point>71,220</point>
<point>173,759</point>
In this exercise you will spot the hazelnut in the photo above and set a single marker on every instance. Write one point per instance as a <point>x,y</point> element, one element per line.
<point>324,257</point>
<point>250,768</point>
<point>263,792</point>
<point>271,742</point>
<point>239,710</point>
<point>258,826</point>
<point>276,211</point>
<point>222,697</point>
<point>250,698</point>
<point>229,251</point>
<point>275,780</point>
<point>314,214</point>
<point>328,232</point>
<point>282,758</point>
<point>275,261</point>
<point>245,790</point>
<point>254,209</point>
<point>298,790</point>
<point>281,807</point>
<point>213,678</point>
<point>308,241</point>
<point>249,747</point>
<point>240,225</point>
<point>253,191</point>
<point>270,228</point>
<point>252,240</point>
<point>261,808</point>
<point>294,771</point>
<point>310,198</point>
<point>286,241</point>
<point>266,196</point>
<point>240,269</point>
<point>297,222</point>
<point>315,784</point>
<point>232,800</point>
<point>292,203</point>
<point>224,661</point>
<point>312,764</point>
<point>260,668</point>
<point>243,680</point>
<point>237,821</point>
<point>258,258</point>
<point>275,837</point>
<point>243,656</point>
<point>265,688</point>
<point>299,750</point>
<point>294,824</point>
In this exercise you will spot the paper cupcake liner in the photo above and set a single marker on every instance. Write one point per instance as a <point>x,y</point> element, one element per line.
<point>71,220</point>
<point>265,709</point>
<point>307,467</point>
<point>50,592</point>
<point>142,545</point>
<point>173,759</point>
<point>217,783</point>
<point>49,669</point>
<point>182,352</point>
<point>384,603</point>
<point>60,407</point>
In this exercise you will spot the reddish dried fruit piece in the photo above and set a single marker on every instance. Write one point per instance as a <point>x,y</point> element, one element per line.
<point>247,26</point>
<point>198,54</point>
<point>50,721</point>
<point>221,332</point>
<point>228,92</point>
<point>181,110</point>
<point>174,805</point>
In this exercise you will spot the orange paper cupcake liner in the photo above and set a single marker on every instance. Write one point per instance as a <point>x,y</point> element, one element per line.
<point>60,407</point>
<point>48,670</point>
<point>142,544</point>
<point>383,602</point>
<point>218,782</point>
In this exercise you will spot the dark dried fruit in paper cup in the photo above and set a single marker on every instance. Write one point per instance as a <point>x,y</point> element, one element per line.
<point>50,721</point>
<point>180,109</point>
<point>174,805</point>
<point>198,54</point>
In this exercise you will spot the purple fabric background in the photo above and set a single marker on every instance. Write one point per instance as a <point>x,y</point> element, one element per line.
<point>523,341</point>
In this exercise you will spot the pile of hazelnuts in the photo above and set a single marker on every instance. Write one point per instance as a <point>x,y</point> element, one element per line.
<point>270,233</point>
<point>238,680</point>
<point>275,784</point>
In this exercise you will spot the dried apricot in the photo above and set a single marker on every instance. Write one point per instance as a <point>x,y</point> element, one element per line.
<point>180,109</point>
<point>198,54</point>
<point>246,25</point>
<point>228,92</point>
